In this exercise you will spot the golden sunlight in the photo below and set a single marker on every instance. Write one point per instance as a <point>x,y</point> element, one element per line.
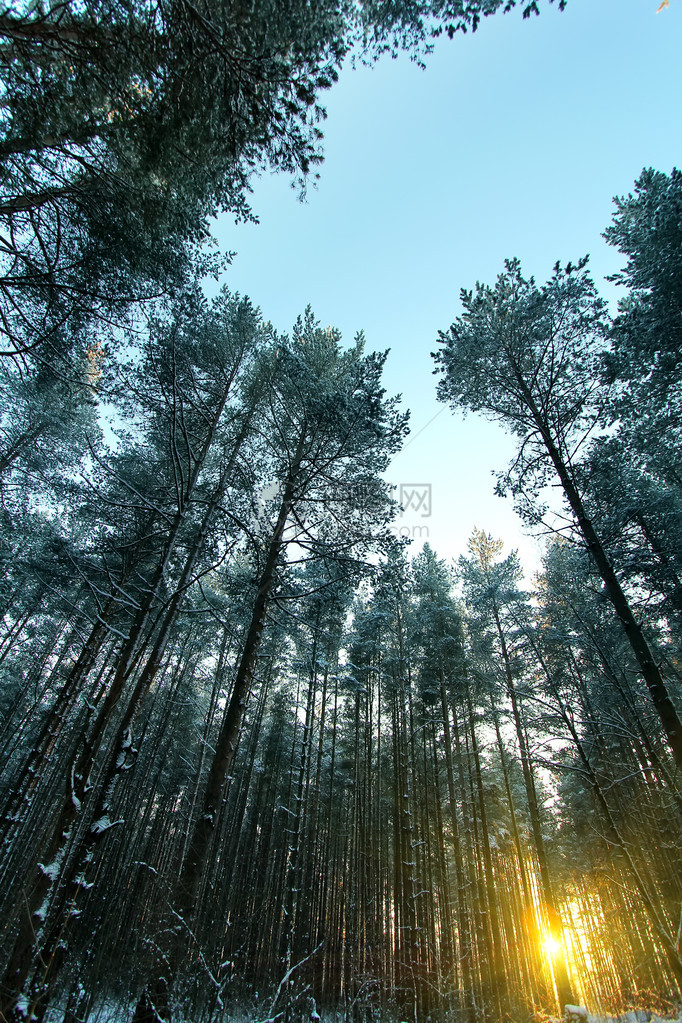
<point>551,945</point>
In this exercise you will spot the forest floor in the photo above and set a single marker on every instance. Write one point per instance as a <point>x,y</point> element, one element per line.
<point>116,1013</point>
<point>631,1016</point>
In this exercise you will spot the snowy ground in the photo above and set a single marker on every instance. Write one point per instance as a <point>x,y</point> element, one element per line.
<point>113,1013</point>
<point>638,1016</point>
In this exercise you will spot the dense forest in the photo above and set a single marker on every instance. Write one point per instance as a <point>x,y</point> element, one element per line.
<point>259,757</point>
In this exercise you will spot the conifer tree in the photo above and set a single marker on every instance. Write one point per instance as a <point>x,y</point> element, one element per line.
<point>529,357</point>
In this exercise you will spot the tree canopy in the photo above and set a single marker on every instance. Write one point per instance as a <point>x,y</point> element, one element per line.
<point>257,758</point>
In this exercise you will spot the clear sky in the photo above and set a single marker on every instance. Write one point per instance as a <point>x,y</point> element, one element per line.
<point>512,142</point>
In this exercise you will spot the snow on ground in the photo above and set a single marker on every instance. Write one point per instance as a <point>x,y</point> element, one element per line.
<point>114,1012</point>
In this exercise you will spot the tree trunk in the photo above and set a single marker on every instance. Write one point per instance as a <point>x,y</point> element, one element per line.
<point>154,1002</point>
<point>496,960</point>
<point>463,926</point>
<point>550,911</point>
<point>672,726</point>
<point>79,790</point>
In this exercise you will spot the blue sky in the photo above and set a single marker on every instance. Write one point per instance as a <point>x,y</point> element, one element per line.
<point>512,142</point>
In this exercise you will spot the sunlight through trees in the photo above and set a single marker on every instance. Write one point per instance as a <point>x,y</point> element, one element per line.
<point>259,757</point>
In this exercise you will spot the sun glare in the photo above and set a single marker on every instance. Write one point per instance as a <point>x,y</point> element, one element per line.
<point>551,945</point>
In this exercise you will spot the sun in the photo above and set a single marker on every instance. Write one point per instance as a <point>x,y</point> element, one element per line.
<point>552,946</point>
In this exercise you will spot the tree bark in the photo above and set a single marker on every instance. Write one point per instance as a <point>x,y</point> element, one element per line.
<point>154,1004</point>
<point>669,718</point>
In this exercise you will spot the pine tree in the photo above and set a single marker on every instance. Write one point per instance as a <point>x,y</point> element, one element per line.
<point>527,356</point>
<point>330,434</point>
